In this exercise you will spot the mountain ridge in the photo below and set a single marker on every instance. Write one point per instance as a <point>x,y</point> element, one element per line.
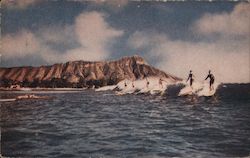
<point>81,73</point>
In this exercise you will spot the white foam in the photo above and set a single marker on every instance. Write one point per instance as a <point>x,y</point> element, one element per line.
<point>127,87</point>
<point>199,88</point>
<point>106,88</point>
<point>188,90</point>
<point>141,86</point>
<point>206,90</point>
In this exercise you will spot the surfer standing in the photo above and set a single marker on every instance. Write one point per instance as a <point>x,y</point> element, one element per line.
<point>211,82</point>
<point>190,78</point>
<point>160,83</point>
<point>147,83</point>
<point>125,84</point>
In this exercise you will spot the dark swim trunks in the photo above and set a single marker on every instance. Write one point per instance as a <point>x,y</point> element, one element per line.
<point>211,82</point>
<point>191,81</point>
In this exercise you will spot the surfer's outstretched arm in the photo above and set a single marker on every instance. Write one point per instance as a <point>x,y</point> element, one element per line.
<point>207,77</point>
<point>188,78</point>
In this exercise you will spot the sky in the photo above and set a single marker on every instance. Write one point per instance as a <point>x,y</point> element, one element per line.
<point>173,36</point>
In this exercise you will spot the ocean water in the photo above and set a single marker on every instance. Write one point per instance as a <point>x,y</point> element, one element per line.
<point>101,124</point>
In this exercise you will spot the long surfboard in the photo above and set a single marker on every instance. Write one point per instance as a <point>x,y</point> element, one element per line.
<point>7,100</point>
<point>207,93</point>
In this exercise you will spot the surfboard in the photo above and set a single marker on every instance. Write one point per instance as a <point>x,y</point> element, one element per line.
<point>186,91</point>
<point>209,94</point>
<point>7,100</point>
<point>206,92</point>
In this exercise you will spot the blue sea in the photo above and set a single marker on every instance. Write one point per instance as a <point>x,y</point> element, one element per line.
<point>101,124</point>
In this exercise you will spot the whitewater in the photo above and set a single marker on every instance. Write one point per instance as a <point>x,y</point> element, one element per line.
<point>156,85</point>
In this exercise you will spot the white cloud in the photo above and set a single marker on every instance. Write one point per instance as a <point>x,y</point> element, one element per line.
<point>234,23</point>
<point>228,63</point>
<point>57,34</point>
<point>18,45</point>
<point>227,56</point>
<point>94,34</point>
<point>90,38</point>
<point>19,4</point>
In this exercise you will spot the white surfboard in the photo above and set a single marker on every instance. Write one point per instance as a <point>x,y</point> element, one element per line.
<point>206,92</point>
<point>7,100</point>
<point>186,91</point>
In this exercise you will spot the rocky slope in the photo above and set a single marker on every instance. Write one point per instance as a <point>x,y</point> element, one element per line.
<point>81,73</point>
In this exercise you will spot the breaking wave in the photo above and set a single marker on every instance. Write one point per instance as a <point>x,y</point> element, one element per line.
<point>154,86</point>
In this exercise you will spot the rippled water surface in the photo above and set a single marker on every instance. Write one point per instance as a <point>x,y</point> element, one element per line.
<point>101,124</point>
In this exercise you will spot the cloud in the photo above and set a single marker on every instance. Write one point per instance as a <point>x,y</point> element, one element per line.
<point>234,23</point>
<point>23,4</point>
<point>228,63</point>
<point>57,34</point>
<point>18,4</point>
<point>89,38</point>
<point>112,3</point>
<point>94,35</point>
<point>18,45</point>
<point>227,55</point>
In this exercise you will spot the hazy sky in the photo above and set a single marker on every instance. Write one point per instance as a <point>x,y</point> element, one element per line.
<point>173,36</point>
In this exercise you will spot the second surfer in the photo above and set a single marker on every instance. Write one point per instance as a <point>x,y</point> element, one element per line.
<point>211,82</point>
<point>190,78</point>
